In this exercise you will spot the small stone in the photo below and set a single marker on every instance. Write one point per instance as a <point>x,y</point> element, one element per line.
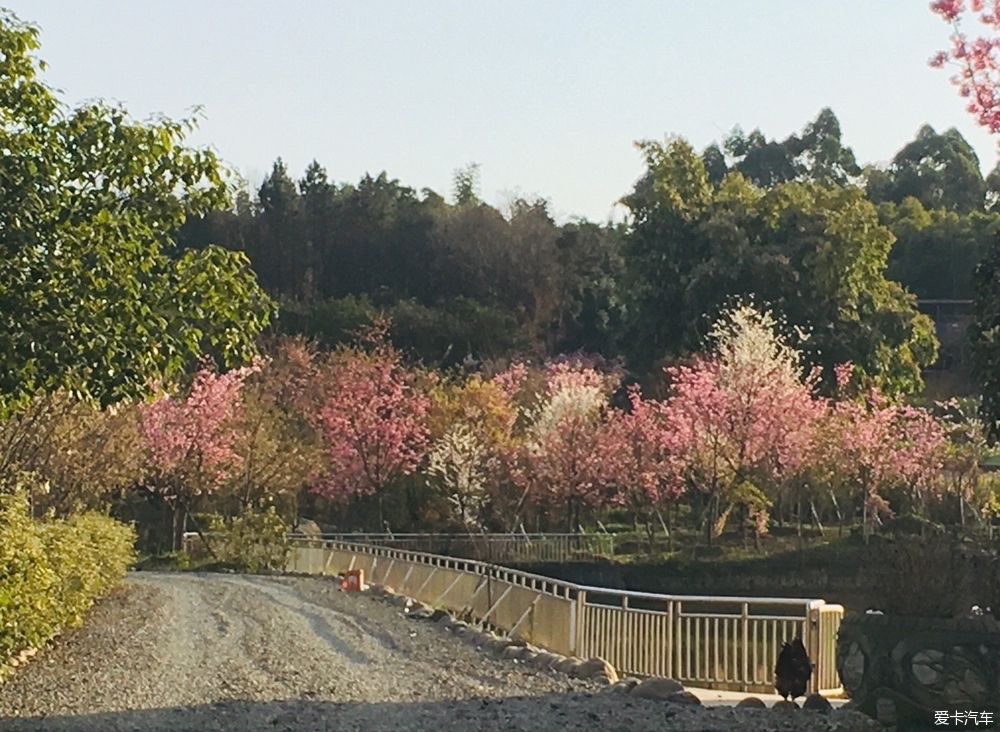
<point>656,688</point>
<point>496,645</point>
<point>752,702</point>
<point>624,686</point>
<point>817,703</point>
<point>852,667</point>
<point>885,711</point>
<point>481,640</point>
<point>419,611</point>
<point>510,652</point>
<point>597,666</point>
<point>785,706</point>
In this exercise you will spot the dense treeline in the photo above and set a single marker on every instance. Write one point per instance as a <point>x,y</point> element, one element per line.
<point>139,380</point>
<point>459,278</point>
<point>841,250</point>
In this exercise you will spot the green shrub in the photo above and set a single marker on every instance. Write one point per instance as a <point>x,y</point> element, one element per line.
<point>254,542</point>
<point>52,572</point>
<point>936,576</point>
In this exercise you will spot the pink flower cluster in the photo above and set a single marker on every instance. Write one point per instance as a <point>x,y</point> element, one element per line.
<point>978,76</point>
<point>372,420</point>
<point>191,439</point>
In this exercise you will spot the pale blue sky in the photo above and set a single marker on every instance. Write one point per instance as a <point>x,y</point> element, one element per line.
<point>547,95</point>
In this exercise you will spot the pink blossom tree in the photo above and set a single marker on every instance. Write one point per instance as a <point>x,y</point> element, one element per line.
<point>640,460</point>
<point>191,440</point>
<point>372,421</point>
<point>877,445</point>
<point>562,462</point>
<point>743,416</point>
<point>976,60</point>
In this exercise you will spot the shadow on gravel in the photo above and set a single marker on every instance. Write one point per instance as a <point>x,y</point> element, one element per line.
<point>550,713</point>
<point>546,713</point>
<point>312,716</point>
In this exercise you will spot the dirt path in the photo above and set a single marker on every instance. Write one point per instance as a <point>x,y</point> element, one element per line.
<point>228,653</point>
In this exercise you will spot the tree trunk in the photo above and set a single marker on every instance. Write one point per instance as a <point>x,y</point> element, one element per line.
<point>815,516</point>
<point>840,516</point>
<point>798,520</point>
<point>201,534</point>
<point>744,515</point>
<point>864,517</point>
<point>670,527</point>
<point>710,519</point>
<point>719,526</point>
<point>175,527</point>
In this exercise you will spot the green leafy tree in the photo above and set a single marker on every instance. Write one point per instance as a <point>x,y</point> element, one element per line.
<point>94,295</point>
<point>941,170</point>
<point>764,162</point>
<point>937,250</point>
<point>466,183</point>
<point>817,254</point>
<point>715,164</point>
<point>817,155</point>
<point>824,158</point>
<point>985,336</point>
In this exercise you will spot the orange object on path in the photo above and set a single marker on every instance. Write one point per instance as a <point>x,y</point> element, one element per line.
<point>354,581</point>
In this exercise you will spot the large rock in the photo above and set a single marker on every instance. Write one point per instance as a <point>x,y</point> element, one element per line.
<point>684,697</point>
<point>596,667</point>
<point>566,665</point>
<point>751,702</point>
<point>785,706</point>
<point>657,688</point>
<point>308,527</point>
<point>544,659</point>
<point>817,703</point>
<point>918,665</point>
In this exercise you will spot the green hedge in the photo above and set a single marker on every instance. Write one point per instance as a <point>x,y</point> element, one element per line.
<point>52,572</point>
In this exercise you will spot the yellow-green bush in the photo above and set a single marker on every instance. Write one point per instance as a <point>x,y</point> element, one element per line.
<point>254,542</point>
<point>51,572</point>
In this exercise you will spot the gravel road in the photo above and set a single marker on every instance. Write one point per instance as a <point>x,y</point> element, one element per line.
<point>228,653</point>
